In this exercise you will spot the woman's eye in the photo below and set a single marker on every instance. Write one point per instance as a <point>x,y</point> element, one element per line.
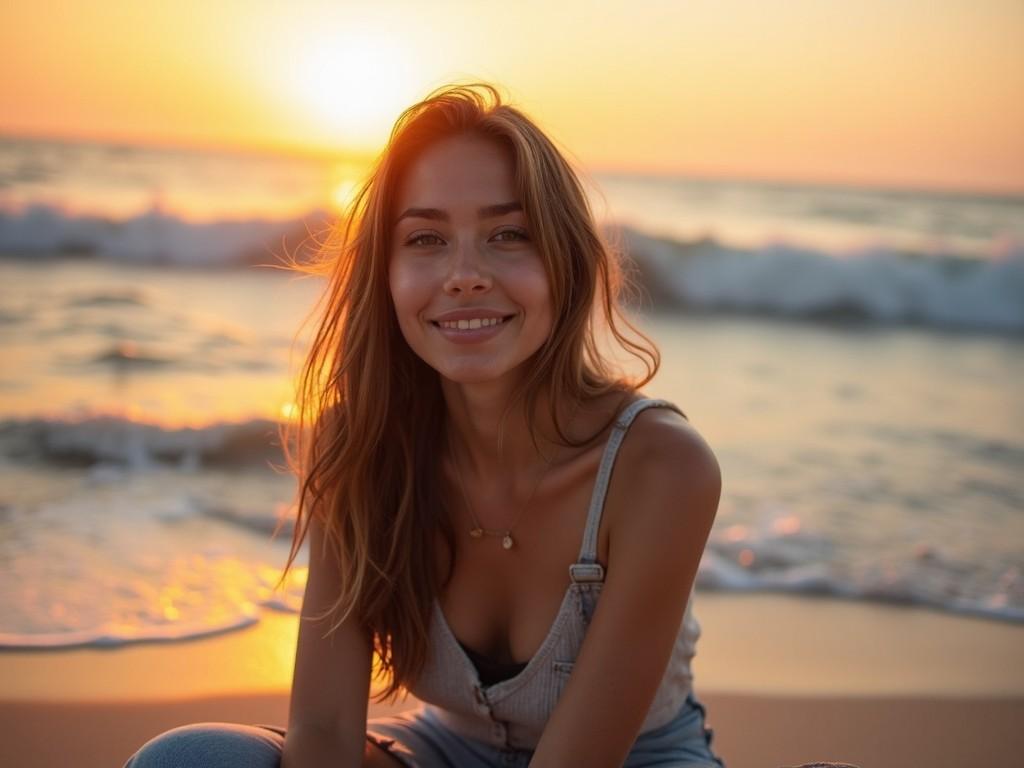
<point>514,234</point>
<point>419,239</point>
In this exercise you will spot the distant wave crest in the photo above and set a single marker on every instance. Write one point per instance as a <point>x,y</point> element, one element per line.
<point>878,286</point>
<point>153,237</point>
<point>875,286</point>
<point>112,440</point>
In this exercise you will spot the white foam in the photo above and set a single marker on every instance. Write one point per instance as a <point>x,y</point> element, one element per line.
<point>111,444</point>
<point>872,285</point>
<point>150,238</point>
<point>762,559</point>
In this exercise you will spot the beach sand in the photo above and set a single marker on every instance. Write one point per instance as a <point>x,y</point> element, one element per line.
<point>785,681</point>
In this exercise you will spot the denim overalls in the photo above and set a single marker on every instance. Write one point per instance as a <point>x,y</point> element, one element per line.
<point>500,724</point>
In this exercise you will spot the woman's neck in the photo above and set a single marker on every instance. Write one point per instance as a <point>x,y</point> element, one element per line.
<point>489,444</point>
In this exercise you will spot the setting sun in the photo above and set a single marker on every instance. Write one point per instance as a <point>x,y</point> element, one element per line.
<point>355,82</point>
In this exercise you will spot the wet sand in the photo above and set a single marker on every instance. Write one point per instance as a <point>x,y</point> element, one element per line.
<point>785,681</point>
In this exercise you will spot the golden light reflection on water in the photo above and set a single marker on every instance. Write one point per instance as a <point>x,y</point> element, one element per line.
<point>166,407</point>
<point>294,583</point>
<point>378,680</point>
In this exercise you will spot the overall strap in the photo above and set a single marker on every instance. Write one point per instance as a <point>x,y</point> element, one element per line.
<point>587,568</point>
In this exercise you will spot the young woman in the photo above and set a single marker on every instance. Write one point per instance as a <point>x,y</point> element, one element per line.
<point>493,509</point>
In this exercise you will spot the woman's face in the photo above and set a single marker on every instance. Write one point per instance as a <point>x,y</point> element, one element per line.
<point>469,288</point>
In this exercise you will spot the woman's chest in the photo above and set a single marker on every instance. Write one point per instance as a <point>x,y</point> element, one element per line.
<point>502,602</point>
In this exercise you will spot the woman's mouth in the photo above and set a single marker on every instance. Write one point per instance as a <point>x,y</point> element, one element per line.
<point>472,324</point>
<point>470,330</point>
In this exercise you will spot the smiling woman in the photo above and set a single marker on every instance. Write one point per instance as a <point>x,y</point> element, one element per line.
<point>495,511</point>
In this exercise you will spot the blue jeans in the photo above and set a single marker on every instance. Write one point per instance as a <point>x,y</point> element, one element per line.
<point>415,740</point>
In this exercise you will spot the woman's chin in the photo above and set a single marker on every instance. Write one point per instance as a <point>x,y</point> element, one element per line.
<point>478,376</point>
<point>470,378</point>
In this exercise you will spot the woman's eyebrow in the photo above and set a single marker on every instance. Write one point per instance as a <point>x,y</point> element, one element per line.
<point>436,214</point>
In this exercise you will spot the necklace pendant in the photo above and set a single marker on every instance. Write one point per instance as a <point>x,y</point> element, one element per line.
<point>477,532</point>
<point>507,542</point>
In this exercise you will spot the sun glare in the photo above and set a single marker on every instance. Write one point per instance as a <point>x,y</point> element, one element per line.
<point>354,85</point>
<point>344,193</point>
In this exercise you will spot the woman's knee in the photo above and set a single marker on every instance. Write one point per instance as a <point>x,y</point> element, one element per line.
<point>210,745</point>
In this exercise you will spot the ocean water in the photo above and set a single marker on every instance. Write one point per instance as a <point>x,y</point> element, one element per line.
<point>853,356</point>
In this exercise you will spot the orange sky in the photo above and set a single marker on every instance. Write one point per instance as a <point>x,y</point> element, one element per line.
<point>891,92</point>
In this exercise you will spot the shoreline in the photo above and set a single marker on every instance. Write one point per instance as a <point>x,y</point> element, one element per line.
<point>763,644</point>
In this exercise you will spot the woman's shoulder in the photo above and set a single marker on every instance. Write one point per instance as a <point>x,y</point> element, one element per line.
<point>662,426</point>
<point>665,457</point>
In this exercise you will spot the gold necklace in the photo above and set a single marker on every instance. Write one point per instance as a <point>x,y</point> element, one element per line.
<point>478,531</point>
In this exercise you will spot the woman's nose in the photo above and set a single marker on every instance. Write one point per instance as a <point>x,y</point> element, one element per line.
<point>467,272</point>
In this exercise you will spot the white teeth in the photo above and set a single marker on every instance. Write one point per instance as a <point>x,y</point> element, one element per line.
<point>469,325</point>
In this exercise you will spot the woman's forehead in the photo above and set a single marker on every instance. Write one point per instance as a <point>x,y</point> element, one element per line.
<point>460,174</point>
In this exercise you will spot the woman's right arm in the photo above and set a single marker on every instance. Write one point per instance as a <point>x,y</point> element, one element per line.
<point>331,682</point>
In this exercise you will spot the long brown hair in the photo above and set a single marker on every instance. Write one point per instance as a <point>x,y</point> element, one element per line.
<point>364,440</point>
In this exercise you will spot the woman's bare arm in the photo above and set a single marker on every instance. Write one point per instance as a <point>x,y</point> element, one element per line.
<point>331,683</point>
<point>673,484</point>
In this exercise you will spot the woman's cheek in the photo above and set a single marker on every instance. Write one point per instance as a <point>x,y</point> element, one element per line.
<point>406,286</point>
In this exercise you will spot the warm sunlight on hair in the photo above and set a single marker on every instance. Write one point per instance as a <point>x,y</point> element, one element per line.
<point>355,82</point>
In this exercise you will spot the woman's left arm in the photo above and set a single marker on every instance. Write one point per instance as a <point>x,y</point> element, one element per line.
<point>666,503</point>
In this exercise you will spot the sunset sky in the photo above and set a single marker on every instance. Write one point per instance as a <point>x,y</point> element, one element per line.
<point>925,93</point>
